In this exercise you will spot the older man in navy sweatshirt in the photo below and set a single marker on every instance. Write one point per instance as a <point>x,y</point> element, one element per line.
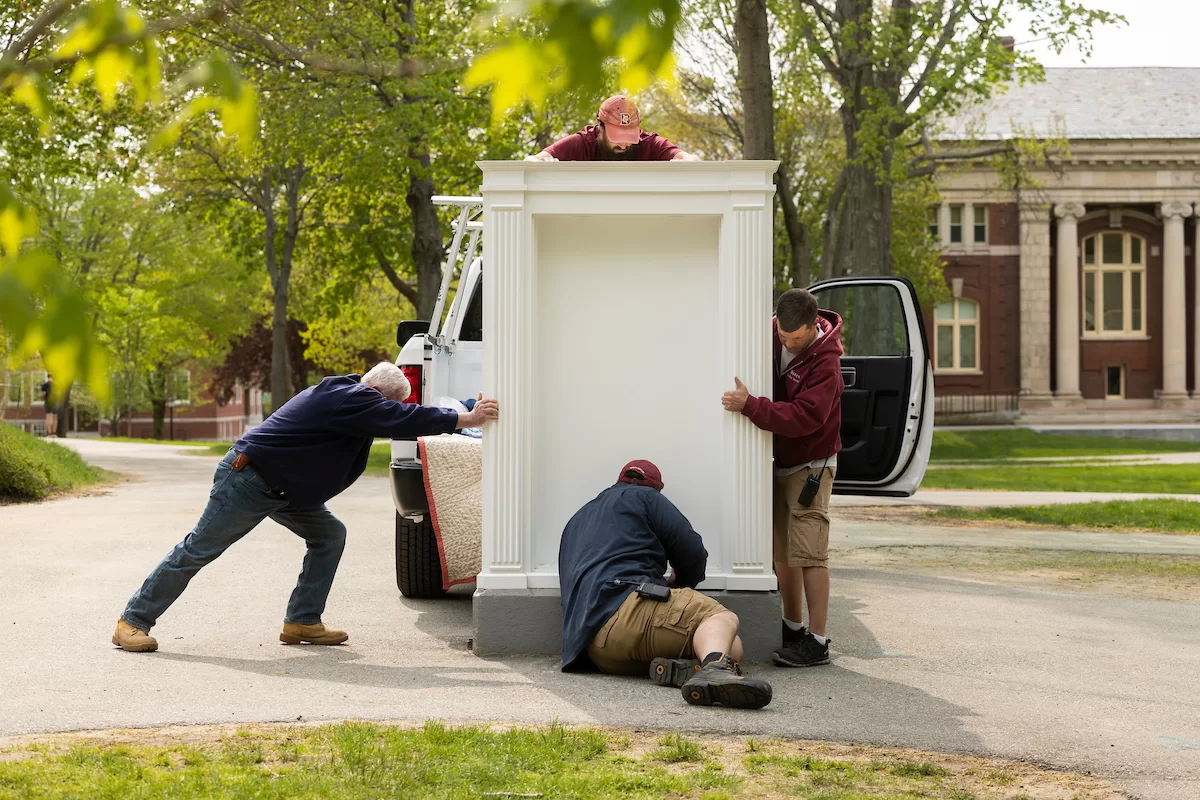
<point>309,450</point>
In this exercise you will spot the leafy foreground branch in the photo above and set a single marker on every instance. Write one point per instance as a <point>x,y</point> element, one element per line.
<point>353,760</point>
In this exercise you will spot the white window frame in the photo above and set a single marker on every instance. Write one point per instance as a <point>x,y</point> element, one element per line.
<point>1120,396</point>
<point>35,387</point>
<point>16,379</point>
<point>975,225</point>
<point>935,227</point>
<point>182,401</point>
<point>1097,270</point>
<point>961,211</point>
<point>955,323</point>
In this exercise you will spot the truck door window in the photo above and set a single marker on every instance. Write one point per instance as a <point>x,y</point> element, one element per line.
<point>472,324</point>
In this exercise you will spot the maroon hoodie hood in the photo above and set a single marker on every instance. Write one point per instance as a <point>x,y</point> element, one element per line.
<point>806,412</point>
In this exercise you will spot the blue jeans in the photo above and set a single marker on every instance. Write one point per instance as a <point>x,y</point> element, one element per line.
<point>237,502</point>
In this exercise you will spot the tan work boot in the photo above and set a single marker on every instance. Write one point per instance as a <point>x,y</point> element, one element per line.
<point>135,640</point>
<point>294,633</point>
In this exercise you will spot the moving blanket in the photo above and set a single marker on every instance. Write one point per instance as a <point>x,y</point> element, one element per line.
<point>454,486</point>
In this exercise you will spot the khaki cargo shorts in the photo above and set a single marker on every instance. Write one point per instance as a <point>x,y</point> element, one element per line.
<point>645,629</point>
<point>799,535</point>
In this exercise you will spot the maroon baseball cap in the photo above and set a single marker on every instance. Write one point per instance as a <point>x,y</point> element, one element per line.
<point>641,473</point>
<point>622,122</point>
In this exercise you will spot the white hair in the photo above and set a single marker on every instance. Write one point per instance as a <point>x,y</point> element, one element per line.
<point>388,379</point>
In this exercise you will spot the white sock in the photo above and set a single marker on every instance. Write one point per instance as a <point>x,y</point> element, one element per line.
<point>820,639</point>
<point>792,626</point>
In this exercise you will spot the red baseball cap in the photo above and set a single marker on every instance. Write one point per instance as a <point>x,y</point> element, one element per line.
<point>641,473</point>
<point>622,122</point>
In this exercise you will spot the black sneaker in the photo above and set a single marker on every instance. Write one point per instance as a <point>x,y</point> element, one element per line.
<point>805,652</point>
<point>673,671</point>
<point>720,681</point>
<point>790,635</point>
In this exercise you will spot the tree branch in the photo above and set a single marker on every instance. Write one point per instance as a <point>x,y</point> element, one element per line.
<point>51,15</point>
<point>385,264</point>
<point>935,57</point>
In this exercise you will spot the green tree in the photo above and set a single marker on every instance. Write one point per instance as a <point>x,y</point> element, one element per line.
<point>49,48</point>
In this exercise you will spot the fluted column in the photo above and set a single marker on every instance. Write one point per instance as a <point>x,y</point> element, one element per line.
<point>1066,314</point>
<point>508,368</point>
<point>944,225</point>
<point>746,286</point>
<point>968,226</point>
<point>1174,312</point>
<point>1035,307</point>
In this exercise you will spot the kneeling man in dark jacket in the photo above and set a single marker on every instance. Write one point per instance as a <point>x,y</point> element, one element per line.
<point>620,541</point>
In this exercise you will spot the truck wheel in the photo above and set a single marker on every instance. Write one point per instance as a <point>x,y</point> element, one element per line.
<point>418,566</point>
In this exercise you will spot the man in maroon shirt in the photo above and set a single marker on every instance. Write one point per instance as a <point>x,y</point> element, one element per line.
<point>806,418</point>
<point>618,136</point>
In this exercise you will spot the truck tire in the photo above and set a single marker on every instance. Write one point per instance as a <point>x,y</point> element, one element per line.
<point>418,565</point>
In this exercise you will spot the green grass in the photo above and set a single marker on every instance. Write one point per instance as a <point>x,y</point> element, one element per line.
<point>377,461</point>
<point>33,468</point>
<point>955,445</point>
<point>175,442</point>
<point>364,760</point>
<point>1175,516</point>
<point>1140,479</point>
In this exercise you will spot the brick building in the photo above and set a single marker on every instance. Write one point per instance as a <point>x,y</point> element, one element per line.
<point>1077,298</point>
<point>198,417</point>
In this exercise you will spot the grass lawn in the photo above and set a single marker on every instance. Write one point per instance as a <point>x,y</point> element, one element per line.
<point>175,442</point>
<point>377,461</point>
<point>32,468</point>
<point>956,445</point>
<point>362,760</point>
<point>1144,575</point>
<point>1174,516</point>
<point>1141,479</point>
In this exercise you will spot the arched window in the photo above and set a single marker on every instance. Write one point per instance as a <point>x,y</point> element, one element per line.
<point>956,346</point>
<point>1114,285</point>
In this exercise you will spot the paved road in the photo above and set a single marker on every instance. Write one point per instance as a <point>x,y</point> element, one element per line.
<point>1100,684</point>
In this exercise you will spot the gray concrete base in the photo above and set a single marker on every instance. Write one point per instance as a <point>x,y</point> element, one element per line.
<point>529,621</point>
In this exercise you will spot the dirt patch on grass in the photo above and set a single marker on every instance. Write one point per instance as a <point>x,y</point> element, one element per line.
<point>765,769</point>
<point>1153,576</point>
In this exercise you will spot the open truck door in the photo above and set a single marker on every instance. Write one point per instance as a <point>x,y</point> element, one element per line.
<point>887,405</point>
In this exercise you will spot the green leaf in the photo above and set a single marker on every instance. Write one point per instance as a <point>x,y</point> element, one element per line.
<point>17,221</point>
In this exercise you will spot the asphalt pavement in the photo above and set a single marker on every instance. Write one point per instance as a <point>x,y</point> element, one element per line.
<point>1105,685</point>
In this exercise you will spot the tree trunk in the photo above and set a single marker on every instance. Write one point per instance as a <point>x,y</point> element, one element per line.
<point>427,250</point>
<point>754,76</point>
<point>858,227</point>
<point>64,409</point>
<point>799,252</point>
<point>159,407</point>
<point>752,28</point>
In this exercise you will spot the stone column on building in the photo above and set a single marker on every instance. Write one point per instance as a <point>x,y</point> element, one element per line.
<point>1174,311</point>
<point>1035,307</point>
<point>1066,312</point>
<point>1196,312</point>
<point>944,225</point>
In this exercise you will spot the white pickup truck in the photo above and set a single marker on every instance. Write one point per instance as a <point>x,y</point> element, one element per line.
<point>887,406</point>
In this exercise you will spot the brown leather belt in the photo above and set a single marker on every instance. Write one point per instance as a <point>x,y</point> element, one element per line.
<point>241,461</point>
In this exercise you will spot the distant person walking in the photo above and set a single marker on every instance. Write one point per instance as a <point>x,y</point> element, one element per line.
<point>51,410</point>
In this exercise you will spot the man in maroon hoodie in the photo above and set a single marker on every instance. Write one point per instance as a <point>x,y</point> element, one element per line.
<point>806,418</point>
